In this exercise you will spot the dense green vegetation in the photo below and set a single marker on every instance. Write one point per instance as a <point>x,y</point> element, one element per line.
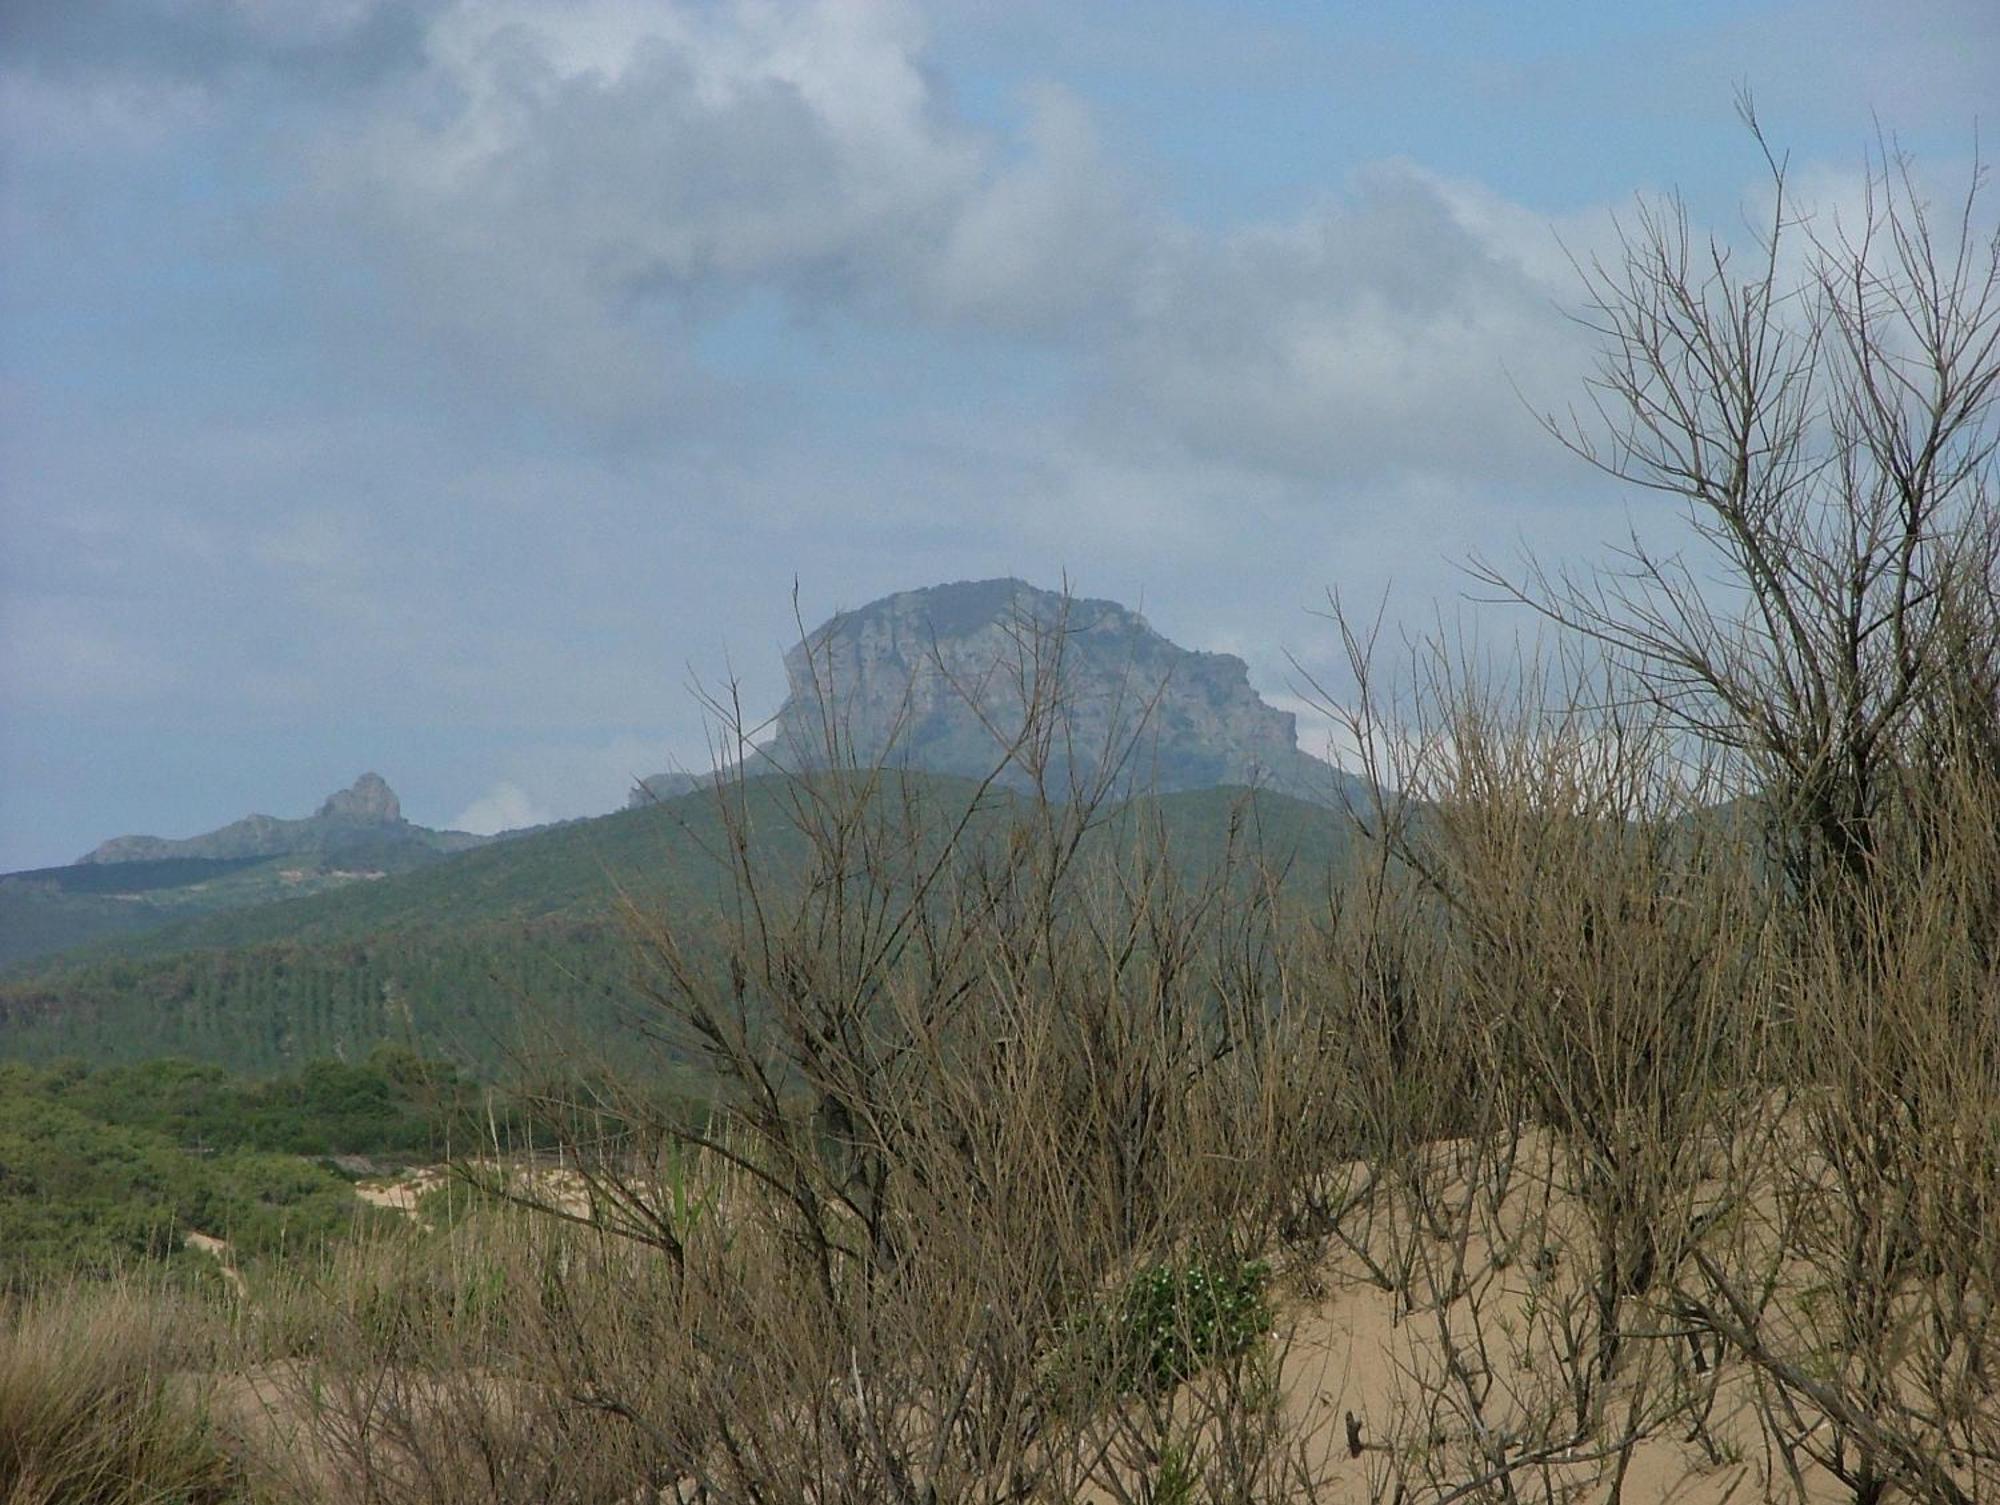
<point>395,1104</point>
<point>99,1168</point>
<point>472,995</point>
<point>135,877</point>
<point>1169,1322</point>
<point>565,870</point>
<point>40,918</point>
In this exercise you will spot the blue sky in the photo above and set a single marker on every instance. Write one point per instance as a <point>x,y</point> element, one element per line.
<point>445,386</point>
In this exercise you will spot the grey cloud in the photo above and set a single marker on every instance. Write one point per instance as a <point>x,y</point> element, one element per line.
<point>574,216</point>
<point>314,44</point>
<point>562,202</point>
<point>571,208</point>
<point>1055,240</point>
<point>1333,344</point>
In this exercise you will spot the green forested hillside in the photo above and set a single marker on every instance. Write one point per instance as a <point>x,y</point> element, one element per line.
<point>662,853</point>
<point>132,884</point>
<point>393,1105</point>
<point>51,910</point>
<point>40,919</point>
<point>481,953</point>
<point>99,1168</point>
<point>467,993</point>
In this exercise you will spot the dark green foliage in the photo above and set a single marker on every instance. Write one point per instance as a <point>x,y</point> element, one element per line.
<point>142,883</point>
<point>572,873</point>
<point>77,1194</point>
<point>101,1169</point>
<point>40,919</point>
<point>1168,1323</point>
<point>133,877</point>
<point>52,909</point>
<point>1173,1321</point>
<point>395,1104</point>
<point>104,905</point>
<point>271,1007</point>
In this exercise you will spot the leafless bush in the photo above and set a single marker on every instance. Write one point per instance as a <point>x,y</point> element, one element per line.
<point>1865,1310</point>
<point>1825,416</point>
<point>508,1358</point>
<point>1595,939</point>
<point>1644,1058</point>
<point>1008,1108</point>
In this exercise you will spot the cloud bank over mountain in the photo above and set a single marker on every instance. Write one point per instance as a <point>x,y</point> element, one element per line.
<point>501,364</point>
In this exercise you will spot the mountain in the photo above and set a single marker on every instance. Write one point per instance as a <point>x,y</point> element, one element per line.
<point>461,955</point>
<point>270,941</point>
<point>365,817</point>
<point>936,679</point>
<point>133,884</point>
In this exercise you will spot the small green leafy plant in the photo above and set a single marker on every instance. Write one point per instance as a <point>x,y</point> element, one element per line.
<point>1167,1324</point>
<point>1176,1479</point>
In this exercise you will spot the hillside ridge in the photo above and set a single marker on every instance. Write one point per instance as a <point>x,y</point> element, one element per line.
<point>451,953</point>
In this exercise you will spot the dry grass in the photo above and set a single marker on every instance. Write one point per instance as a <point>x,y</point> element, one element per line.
<point>95,1404</point>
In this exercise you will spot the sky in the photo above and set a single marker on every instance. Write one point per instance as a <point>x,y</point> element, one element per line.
<point>459,389</point>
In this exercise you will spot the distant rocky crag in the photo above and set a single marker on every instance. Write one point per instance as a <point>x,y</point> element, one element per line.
<point>936,679</point>
<point>365,817</point>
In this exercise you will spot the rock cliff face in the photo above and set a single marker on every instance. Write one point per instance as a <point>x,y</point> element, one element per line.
<point>365,816</point>
<point>938,678</point>
<point>369,799</point>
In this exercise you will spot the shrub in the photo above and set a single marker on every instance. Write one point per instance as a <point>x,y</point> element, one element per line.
<point>1176,1320</point>
<point>1167,1324</point>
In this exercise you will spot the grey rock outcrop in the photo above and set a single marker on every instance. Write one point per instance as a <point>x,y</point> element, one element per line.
<point>370,799</point>
<point>939,678</point>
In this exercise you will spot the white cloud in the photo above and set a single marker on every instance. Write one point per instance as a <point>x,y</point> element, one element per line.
<point>559,201</point>
<point>562,779</point>
<point>557,190</point>
<point>503,807</point>
<point>564,196</point>
<point>1051,239</point>
<point>1383,331</point>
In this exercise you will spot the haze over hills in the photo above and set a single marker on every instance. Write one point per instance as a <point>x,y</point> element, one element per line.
<point>455,955</point>
<point>365,817</point>
<point>937,679</point>
<point>135,883</point>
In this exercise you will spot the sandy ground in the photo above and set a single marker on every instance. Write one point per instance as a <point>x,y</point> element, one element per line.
<point>401,1193</point>
<point>1351,1353</point>
<point>562,1189</point>
<point>218,1250</point>
<point>1363,1383</point>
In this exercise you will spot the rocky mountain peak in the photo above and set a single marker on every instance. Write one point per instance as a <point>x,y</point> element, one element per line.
<point>929,677</point>
<point>369,799</point>
<point>364,817</point>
